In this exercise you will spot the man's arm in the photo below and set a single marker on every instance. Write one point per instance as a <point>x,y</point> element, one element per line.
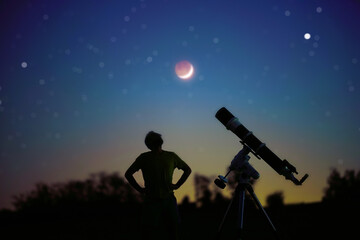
<point>184,176</point>
<point>129,176</point>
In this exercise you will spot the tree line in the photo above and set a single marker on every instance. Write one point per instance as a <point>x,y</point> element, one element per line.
<point>112,189</point>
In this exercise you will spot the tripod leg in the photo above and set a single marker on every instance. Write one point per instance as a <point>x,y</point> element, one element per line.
<point>241,213</point>
<point>258,204</point>
<point>224,218</point>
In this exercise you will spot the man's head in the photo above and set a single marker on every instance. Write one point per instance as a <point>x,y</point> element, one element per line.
<point>153,140</point>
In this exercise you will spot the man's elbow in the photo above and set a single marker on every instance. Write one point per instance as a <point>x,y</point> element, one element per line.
<point>128,175</point>
<point>188,170</point>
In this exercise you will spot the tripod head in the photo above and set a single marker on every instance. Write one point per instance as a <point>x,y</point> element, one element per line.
<point>241,164</point>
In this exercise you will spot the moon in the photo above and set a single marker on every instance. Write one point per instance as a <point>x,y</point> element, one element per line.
<point>184,70</point>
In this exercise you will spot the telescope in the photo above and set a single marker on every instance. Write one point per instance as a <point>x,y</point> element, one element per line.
<point>254,145</point>
<point>241,164</point>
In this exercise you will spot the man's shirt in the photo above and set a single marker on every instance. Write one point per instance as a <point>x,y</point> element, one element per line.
<point>157,170</point>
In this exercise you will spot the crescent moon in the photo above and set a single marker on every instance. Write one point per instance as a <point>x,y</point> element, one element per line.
<point>189,74</point>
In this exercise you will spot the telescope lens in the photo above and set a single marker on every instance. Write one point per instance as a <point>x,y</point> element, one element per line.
<point>224,116</point>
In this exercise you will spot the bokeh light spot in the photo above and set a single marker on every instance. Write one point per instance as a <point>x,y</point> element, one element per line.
<point>24,65</point>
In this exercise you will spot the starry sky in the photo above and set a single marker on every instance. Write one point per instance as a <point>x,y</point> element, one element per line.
<point>82,82</point>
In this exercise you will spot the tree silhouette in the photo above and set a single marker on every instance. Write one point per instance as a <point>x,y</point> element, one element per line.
<point>220,200</point>
<point>275,200</point>
<point>186,205</point>
<point>343,188</point>
<point>202,192</point>
<point>99,188</point>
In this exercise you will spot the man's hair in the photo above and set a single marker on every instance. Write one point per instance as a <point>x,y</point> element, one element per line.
<point>153,140</point>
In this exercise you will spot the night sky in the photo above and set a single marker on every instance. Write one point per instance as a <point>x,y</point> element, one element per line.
<point>82,82</point>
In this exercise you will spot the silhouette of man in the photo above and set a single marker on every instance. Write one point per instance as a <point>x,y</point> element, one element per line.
<point>160,213</point>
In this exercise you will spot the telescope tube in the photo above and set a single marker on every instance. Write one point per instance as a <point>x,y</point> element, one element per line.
<point>233,124</point>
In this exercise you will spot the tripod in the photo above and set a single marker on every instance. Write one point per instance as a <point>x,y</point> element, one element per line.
<point>243,184</point>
